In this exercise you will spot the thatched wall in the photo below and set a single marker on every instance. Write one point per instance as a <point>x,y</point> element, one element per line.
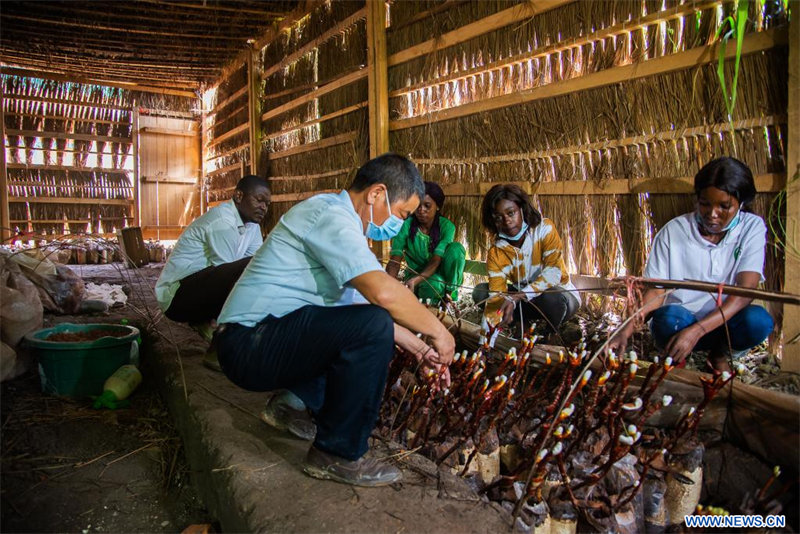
<point>314,119</point>
<point>227,135</point>
<point>659,127</point>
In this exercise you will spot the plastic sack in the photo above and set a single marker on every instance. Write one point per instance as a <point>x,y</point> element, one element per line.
<point>20,308</point>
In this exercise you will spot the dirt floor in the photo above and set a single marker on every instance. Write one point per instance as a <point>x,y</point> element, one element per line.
<point>69,468</point>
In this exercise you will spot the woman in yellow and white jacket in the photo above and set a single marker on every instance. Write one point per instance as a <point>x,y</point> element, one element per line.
<point>528,280</point>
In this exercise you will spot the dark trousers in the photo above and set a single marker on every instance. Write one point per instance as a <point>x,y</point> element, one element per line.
<point>334,358</point>
<point>201,295</point>
<point>553,306</point>
<point>747,328</point>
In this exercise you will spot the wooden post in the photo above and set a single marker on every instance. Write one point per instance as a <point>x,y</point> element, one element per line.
<point>378,75</point>
<point>137,196</point>
<point>378,88</point>
<point>202,160</point>
<point>253,99</point>
<point>5,218</point>
<point>791,314</point>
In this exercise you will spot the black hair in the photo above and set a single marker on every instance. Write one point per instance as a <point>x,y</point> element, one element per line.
<point>515,194</point>
<point>250,182</point>
<point>433,190</point>
<point>729,175</point>
<point>396,172</point>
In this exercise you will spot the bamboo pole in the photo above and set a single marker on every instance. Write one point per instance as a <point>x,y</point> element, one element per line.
<point>753,43</point>
<point>5,222</point>
<point>791,314</point>
<point>710,287</point>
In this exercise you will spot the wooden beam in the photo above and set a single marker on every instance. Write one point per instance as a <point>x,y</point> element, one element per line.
<point>329,116</point>
<point>328,174</point>
<point>5,222</point>
<point>378,78</point>
<point>217,7</point>
<point>62,135</point>
<point>64,118</point>
<point>753,43</point>
<point>31,73</point>
<point>169,131</point>
<point>765,183</point>
<point>43,22</point>
<point>66,101</point>
<point>311,45</point>
<point>791,314</point>
<point>227,101</point>
<point>64,168</point>
<point>317,145</point>
<point>230,133</point>
<point>223,170</point>
<point>499,20</point>
<point>679,133</point>
<point>64,200</point>
<point>188,180</point>
<point>228,152</point>
<point>297,197</point>
<point>323,90</point>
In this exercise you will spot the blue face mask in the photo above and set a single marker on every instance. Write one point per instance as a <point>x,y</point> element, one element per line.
<point>515,237</point>
<point>730,226</point>
<point>390,227</point>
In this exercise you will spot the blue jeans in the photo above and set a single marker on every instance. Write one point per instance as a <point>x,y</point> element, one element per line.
<point>334,358</point>
<point>747,328</point>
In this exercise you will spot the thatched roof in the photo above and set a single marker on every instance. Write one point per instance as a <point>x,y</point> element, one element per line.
<point>167,43</point>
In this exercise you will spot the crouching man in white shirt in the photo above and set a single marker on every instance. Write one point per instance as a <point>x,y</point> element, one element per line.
<point>211,255</point>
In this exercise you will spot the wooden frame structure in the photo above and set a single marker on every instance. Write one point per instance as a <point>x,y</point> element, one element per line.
<point>313,120</point>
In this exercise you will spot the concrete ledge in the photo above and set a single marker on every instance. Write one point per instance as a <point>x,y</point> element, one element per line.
<point>250,475</point>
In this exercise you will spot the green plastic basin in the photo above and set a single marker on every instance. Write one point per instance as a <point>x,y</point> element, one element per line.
<point>79,368</point>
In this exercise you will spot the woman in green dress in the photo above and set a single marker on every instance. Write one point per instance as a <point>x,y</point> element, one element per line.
<point>434,261</point>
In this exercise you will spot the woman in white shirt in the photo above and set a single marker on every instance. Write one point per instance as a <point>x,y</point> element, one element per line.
<point>721,243</point>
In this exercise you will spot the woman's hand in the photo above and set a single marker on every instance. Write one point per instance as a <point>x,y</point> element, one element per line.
<point>681,344</point>
<point>507,309</point>
<point>412,282</point>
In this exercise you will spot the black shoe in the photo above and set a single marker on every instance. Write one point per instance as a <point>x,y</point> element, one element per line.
<point>365,471</point>
<point>278,414</point>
